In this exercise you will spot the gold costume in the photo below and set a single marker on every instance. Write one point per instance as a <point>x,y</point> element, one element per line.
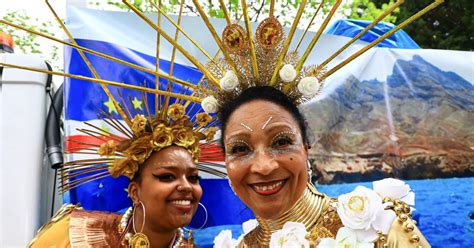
<point>317,212</point>
<point>74,227</point>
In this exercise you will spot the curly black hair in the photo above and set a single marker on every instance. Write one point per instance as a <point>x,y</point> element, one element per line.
<point>266,93</point>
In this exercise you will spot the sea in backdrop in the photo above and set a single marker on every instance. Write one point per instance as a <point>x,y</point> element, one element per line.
<point>443,209</point>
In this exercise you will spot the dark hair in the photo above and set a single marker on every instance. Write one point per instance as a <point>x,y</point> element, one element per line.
<point>266,93</point>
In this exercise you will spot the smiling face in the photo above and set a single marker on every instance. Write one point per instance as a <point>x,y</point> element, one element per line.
<point>265,157</point>
<point>169,188</point>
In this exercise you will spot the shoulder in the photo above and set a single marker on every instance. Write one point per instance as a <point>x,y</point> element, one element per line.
<point>56,230</point>
<point>403,231</point>
<point>94,228</point>
<point>74,227</point>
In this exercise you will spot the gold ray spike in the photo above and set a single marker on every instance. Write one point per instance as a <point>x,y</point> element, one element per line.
<point>173,56</point>
<point>80,167</point>
<point>107,82</point>
<point>193,60</point>
<point>272,7</point>
<point>89,65</point>
<point>177,25</point>
<point>157,59</point>
<point>91,133</point>
<point>102,55</point>
<point>287,43</point>
<point>113,122</point>
<point>105,132</point>
<point>124,104</point>
<point>317,36</point>
<point>67,186</point>
<point>226,13</point>
<point>389,10</point>
<point>147,107</point>
<point>83,171</point>
<point>87,161</point>
<point>309,24</point>
<point>214,35</point>
<point>74,165</point>
<point>381,38</point>
<point>253,54</point>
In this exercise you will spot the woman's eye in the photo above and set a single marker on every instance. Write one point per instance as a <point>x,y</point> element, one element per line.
<point>165,177</point>
<point>194,178</point>
<point>282,141</point>
<point>239,149</point>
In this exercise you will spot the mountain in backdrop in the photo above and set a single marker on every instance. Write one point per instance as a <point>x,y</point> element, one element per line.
<point>416,124</point>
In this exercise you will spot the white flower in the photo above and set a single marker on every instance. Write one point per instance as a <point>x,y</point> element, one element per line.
<point>291,235</point>
<point>363,211</point>
<point>394,189</point>
<point>229,81</point>
<point>210,104</point>
<point>249,225</point>
<point>287,73</point>
<point>224,240</point>
<point>308,86</point>
<point>345,238</point>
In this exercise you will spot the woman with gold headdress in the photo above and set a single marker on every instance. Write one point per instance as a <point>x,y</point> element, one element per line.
<point>259,87</point>
<point>159,157</point>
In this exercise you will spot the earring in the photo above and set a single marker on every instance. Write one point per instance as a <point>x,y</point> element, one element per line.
<point>310,171</point>
<point>139,239</point>
<point>205,220</point>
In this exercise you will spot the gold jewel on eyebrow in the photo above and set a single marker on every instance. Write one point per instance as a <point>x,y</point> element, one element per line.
<point>249,128</point>
<point>281,133</point>
<point>266,123</point>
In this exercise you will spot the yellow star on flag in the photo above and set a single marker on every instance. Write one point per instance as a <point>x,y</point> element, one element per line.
<point>111,106</point>
<point>137,104</point>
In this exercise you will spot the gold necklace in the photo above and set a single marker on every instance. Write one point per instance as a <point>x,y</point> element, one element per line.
<point>306,210</point>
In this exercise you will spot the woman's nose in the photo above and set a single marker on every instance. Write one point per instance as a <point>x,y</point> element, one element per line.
<point>263,163</point>
<point>184,185</point>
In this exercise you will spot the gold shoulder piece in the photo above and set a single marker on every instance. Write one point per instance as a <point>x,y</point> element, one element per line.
<point>403,232</point>
<point>64,211</point>
<point>94,229</point>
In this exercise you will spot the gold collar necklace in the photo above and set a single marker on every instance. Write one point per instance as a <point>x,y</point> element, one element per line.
<point>306,210</point>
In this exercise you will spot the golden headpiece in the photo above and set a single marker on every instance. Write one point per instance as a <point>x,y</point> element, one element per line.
<point>122,154</point>
<point>264,58</point>
<point>249,59</point>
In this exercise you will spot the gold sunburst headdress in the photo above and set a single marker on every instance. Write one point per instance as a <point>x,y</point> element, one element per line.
<point>264,58</point>
<point>249,59</point>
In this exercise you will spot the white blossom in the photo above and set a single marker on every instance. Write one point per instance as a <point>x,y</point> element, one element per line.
<point>345,238</point>
<point>293,234</point>
<point>287,73</point>
<point>308,86</point>
<point>210,104</point>
<point>362,210</point>
<point>229,82</point>
<point>394,189</point>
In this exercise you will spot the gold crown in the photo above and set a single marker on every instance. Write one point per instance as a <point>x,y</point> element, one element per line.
<point>121,155</point>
